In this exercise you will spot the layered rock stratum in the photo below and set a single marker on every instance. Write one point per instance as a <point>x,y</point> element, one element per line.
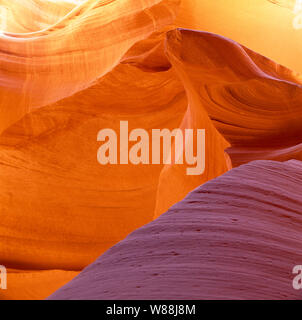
<point>71,68</point>
<point>235,237</point>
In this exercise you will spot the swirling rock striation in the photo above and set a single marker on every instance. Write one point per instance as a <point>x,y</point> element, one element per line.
<point>71,68</point>
<point>235,237</point>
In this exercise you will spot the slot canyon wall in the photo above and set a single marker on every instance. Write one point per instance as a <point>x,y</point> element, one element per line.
<point>71,68</point>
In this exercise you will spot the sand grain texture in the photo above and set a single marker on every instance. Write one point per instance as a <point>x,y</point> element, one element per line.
<point>235,237</point>
<point>71,68</point>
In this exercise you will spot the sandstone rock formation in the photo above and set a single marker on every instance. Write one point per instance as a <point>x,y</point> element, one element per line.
<point>71,68</point>
<point>235,237</point>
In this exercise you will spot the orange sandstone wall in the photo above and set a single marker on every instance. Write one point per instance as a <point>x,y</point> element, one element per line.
<point>69,69</point>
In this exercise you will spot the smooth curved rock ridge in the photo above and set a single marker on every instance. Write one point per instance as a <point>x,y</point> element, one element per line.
<point>253,102</point>
<point>46,229</point>
<point>235,237</point>
<point>63,198</point>
<point>28,16</point>
<point>42,67</point>
<point>260,25</point>
<point>86,65</point>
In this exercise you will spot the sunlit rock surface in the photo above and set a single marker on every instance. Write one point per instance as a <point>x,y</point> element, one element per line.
<point>51,63</point>
<point>235,237</point>
<point>71,68</point>
<point>261,25</point>
<point>253,102</point>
